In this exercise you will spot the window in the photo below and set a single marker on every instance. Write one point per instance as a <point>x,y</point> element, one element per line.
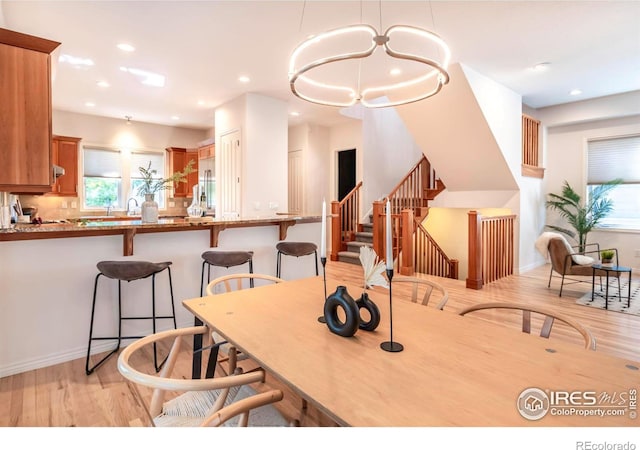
<point>111,177</point>
<point>613,158</point>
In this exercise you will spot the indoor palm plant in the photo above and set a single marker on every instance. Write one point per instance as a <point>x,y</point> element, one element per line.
<point>151,185</point>
<point>582,216</point>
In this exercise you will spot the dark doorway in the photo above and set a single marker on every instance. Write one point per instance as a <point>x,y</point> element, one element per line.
<point>346,172</point>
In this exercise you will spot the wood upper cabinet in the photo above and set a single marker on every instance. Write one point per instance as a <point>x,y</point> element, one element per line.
<point>25,113</point>
<point>65,154</point>
<point>178,159</point>
<point>207,151</point>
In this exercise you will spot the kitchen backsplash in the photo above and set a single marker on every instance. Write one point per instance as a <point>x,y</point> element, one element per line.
<point>55,208</point>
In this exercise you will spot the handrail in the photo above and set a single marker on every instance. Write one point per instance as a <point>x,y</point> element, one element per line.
<point>411,191</point>
<point>429,257</point>
<point>345,221</point>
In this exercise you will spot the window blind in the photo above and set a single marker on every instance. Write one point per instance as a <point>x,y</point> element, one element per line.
<point>614,158</point>
<point>142,160</point>
<point>102,163</point>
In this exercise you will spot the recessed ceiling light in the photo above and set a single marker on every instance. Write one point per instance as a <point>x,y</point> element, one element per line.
<point>395,72</point>
<point>201,102</point>
<point>294,113</point>
<point>90,104</point>
<point>244,79</point>
<point>575,92</point>
<point>175,117</point>
<point>126,47</point>
<point>541,67</point>
<point>103,84</point>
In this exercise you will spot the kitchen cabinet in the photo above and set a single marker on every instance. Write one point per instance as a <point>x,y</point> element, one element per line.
<point>178,160</point>
<point>207,151</point>
<point>25,113</point>
<point>65,154</point>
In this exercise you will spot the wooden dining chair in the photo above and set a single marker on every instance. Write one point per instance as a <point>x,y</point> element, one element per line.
<point>226,400</point>
<point>549,318</point>
<point>227,283</point>
<point>423,291</point>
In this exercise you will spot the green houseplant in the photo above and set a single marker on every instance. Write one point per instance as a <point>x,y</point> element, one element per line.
<point>607,256</point>
<point>151,185</point>
<point>582,216</point>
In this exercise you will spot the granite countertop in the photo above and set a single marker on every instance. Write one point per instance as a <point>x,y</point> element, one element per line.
<point>102,223</point>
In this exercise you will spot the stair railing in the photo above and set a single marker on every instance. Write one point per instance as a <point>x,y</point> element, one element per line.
<point>345,221</point>
<point>491,248</point>
<point>413,191</point>
<point>428,256</point>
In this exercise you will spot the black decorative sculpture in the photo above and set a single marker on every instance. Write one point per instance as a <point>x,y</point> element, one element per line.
<point>341,299</point>
<point>364,302</point>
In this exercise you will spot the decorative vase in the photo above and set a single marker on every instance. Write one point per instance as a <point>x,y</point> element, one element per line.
<point>149,209</point>
<point>364,302</point>
<point>341,299</point>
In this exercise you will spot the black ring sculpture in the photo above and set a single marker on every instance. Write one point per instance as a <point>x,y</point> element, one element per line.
<point>364,302</point>
<point>341,299</point>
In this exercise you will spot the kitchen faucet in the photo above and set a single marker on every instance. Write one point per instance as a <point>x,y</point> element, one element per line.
<point>131,212</point>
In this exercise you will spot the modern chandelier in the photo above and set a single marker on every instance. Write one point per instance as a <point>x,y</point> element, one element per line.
<point>341,67</point>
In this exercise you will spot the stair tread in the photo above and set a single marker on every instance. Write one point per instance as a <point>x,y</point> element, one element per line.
<point>364,233</point>
<point>349,254</point>
<point>360,243</point>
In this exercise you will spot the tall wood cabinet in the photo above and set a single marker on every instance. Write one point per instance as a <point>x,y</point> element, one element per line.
<point>25,113</point>
<point>178,159</point>
<point>65,154</point>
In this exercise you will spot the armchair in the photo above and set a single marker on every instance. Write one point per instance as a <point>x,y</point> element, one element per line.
<point>568,263</point>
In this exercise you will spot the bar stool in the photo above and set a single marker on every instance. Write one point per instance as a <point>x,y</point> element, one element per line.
<point>224,259</point>
<point>129,271</point>
<point>296,249</point>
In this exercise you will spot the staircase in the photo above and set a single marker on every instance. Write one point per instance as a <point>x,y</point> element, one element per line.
<point>363,238</point>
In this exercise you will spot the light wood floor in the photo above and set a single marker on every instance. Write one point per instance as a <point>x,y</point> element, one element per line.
<point>63,396</point>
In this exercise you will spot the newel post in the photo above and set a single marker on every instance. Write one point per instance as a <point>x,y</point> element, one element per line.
<point>474,275</point>
<point>336,232</point>
<point>378,227</point>
<point>406,239</point>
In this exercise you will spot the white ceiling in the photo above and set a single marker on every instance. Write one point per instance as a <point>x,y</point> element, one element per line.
<point>202,47</point>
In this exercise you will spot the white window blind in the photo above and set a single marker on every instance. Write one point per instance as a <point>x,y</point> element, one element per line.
<point>614,158</point>
<point>102,163</point>
<point>142,160</point>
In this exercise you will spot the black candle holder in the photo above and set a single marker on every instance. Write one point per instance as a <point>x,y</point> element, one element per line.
<point>390,346</point>
<point>323,260</point>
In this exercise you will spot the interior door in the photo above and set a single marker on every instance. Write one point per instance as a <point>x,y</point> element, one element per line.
<point>230,167</point>
<point>346,172</point>
<point>296,185</point>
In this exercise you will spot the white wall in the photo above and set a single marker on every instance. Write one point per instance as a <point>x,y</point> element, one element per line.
<point>344,137</point>
<point>313,141</point>
<point>566,160</point>
<point>110,132</point>
<point>390,152</point>
<point>262,122</point>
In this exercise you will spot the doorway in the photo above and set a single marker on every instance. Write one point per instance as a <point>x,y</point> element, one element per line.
<point>346,172</point>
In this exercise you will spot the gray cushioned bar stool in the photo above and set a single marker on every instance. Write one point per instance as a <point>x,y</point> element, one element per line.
<point>217,258</point>
<point>226,259</point>
<point>129,271</point>
<point>296,249</point>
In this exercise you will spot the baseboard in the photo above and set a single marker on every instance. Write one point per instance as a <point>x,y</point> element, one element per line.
<point>527,268</point>
<point>63,357</point>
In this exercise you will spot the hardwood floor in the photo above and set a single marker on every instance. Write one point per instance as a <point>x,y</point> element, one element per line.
<point>63,396</point>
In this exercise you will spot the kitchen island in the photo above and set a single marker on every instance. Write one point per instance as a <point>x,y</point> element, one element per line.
<point>47,274</point>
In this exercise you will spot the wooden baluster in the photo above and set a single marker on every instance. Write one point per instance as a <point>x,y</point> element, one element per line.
<point>378,227</point>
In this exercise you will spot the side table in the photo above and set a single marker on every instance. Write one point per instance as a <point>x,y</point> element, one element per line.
<point>608,269</point>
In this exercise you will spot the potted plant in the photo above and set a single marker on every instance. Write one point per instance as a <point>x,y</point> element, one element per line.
<point>150,186</point>
<point>607,256</point>
<point>583,217</point>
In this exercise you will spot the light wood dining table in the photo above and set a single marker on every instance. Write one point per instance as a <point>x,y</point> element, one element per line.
<point>453,371</point>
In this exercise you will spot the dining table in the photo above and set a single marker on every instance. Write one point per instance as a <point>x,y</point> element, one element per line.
<point>453,370</point>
